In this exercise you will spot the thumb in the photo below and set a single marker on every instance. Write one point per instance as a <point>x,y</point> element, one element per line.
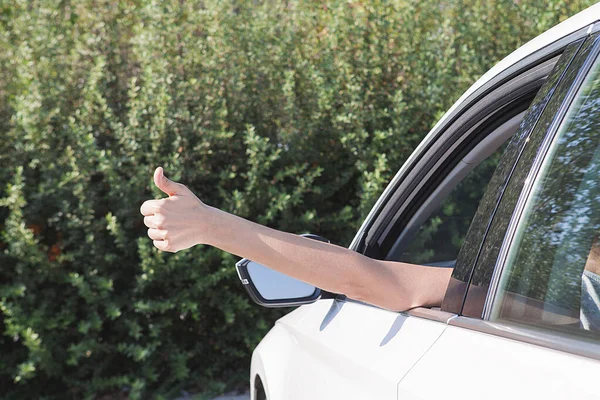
<point>165,184</point>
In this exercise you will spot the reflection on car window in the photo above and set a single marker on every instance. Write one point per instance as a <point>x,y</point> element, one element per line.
<point>552,276</point>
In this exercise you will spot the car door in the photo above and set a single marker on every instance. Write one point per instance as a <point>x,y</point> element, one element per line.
<point>341,348</point>
<point>529,323</point>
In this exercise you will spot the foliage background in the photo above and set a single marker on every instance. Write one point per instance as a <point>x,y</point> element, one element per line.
<point>294,114</point>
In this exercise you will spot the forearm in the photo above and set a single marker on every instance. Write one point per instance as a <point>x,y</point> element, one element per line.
<point>392,285</point>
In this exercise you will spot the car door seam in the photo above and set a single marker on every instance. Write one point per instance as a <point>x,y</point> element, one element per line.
<point>421,356</point>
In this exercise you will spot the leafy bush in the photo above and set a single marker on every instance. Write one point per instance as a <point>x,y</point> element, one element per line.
<point>294,114</point>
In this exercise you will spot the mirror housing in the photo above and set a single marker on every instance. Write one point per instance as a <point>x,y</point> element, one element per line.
<point>270,288</point>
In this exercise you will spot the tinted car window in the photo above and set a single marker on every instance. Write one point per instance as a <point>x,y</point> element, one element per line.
<point>552,274</point>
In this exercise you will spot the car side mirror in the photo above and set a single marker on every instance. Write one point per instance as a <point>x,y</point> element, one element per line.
<point>270,288</point>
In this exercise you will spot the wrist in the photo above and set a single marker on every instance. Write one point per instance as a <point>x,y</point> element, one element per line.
<point>209,225</point>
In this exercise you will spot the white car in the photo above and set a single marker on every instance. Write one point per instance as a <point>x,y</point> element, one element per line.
<point>506,190</point>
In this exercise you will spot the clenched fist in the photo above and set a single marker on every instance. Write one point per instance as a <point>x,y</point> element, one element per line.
<point>176,222</point>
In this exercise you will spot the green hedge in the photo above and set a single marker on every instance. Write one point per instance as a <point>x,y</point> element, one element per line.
<point>294,114</point>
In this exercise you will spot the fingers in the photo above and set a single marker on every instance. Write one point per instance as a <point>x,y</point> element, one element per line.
<point>151,207</point>
<point>159,238</point>
<point>150,222</point>
<point>166,185</point>
<point>156,234</point>
<point>162,245</point>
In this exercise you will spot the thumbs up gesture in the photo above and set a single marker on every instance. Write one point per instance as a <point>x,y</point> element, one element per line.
<point>174,223</point>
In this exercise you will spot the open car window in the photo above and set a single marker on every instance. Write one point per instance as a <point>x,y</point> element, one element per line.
<point>439,239</point>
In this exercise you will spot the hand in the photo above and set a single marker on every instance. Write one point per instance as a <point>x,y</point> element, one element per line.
<point>175,222</point>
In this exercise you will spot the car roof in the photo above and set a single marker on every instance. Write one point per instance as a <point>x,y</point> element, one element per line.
<point>579,21</point>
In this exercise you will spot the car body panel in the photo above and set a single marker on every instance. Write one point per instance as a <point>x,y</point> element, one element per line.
<point>344,350</point>
<point>467,364</point>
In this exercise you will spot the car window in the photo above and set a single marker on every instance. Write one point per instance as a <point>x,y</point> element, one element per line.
<point>440,237</point>
<point>552,275</point>
<point>468,258</point>
<point>468,287</point>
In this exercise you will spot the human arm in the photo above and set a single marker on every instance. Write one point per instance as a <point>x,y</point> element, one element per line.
<point>182,220</point>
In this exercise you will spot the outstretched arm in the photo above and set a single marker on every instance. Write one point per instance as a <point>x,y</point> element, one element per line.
<point>182,220</point>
